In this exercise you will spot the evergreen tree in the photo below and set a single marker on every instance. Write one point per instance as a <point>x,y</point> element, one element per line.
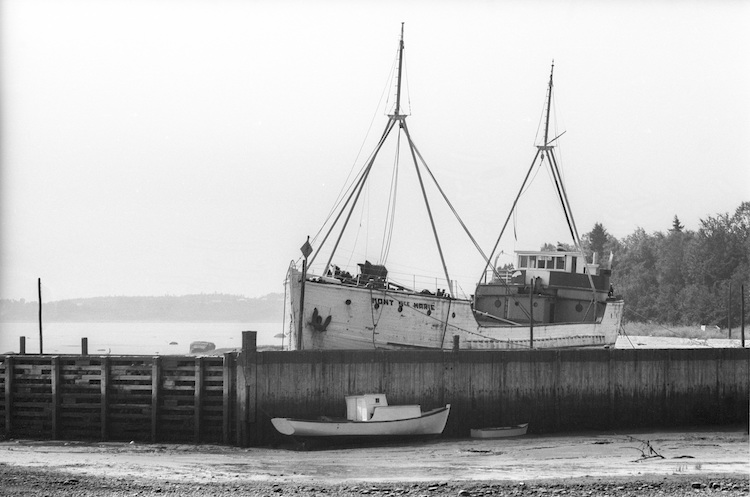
<point>676,226</point>
<point>598,238</point>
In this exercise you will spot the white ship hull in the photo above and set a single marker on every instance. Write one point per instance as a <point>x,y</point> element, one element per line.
<point>338,316</point>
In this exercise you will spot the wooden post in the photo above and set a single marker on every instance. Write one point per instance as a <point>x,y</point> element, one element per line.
<point>104,396</point>
<point>22,346</point>
<point>41,340</point>
<point>84,346</point>
<point>8,395</point>
<point>249,341</point>
<point>241,396</point>
<point>198,399</point>
<point>742,315</point>
<point>729,310</point>
<point>245,387</point>
<point>456,339</point>
<point>229,371</point>
<point>155,397</point>
<point>55,408</point>
<point>531,314</point>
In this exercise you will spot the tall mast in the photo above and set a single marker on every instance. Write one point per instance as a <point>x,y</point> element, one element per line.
<point>546,150</point>
<point>397,116</point>
<point>400,66</point>
<point>549,102</point>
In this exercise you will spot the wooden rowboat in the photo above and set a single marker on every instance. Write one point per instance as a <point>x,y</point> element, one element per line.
<point>500,432</point>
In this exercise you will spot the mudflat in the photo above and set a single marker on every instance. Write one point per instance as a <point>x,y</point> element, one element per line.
<point>637,463</point>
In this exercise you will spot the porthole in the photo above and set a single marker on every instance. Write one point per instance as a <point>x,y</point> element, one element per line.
<point>536,304</point>
<point>429,312</point>
<point>348,302</point>
<point>498,303</point>
<point>453,315</point>
<point>579,307</point>
<point>516,304</point>
<point>400,308</point>
<point>376,305</point>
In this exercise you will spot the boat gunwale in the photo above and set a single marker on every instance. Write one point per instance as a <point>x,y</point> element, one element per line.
<point>424,415</point>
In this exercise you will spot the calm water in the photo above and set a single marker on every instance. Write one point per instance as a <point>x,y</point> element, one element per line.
<point>131,338</point>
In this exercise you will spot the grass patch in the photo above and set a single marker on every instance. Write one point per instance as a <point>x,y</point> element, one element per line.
<point>676,331</point>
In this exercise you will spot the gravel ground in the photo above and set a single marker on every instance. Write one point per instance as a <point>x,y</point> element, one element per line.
<point>34,482</point>
<point>682,463</point>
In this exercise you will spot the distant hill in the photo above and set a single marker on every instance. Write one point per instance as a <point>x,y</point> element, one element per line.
<point>187,308</point>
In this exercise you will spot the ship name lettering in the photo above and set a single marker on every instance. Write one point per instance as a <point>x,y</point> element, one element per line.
<point>419,305</point>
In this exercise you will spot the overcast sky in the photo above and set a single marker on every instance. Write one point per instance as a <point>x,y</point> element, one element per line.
<point>174,147</point>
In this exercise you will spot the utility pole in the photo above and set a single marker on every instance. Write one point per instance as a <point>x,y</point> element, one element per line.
<point>41,340</point>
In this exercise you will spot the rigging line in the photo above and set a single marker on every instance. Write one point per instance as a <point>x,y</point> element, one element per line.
<point>450,205</point>
<point>362,185</point>
<point>559,188</point>
<point>387,89</point>
<point>357,187</point>
<point>494,249</point>
<point>346,192</point>
<point>541,120</point>
<point>452,326</point>
<point>358,191</point>
<point>559,146</point>
<point>622,328</point>
<point>344,188</point>
<point>356,238</point>
<point>412,148</point>
<point>577,238</point>
<point>533,178</point>
<point>391,211</point>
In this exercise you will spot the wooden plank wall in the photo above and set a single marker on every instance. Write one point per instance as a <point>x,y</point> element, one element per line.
<point>158,399</point>
<point>555,391</point>
<point>232,399</point>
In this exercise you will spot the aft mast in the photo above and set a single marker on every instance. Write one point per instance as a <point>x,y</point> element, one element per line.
<point>543,151</point>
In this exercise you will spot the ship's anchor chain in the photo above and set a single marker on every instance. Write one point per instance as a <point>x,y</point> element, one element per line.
<point>317,321</point>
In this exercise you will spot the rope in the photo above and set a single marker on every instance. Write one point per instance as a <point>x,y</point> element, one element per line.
<point>391,210</point>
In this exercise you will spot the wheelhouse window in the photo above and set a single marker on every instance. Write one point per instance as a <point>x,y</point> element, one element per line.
<point>523,261</point>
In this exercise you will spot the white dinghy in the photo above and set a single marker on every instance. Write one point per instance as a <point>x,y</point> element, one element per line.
<point>369,415</point>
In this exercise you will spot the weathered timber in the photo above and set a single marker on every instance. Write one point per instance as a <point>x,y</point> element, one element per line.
<point>231,399</point>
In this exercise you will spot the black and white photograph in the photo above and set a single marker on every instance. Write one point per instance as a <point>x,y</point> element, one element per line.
<point>255,247</point>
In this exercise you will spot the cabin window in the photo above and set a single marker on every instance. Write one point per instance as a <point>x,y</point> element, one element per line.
<point>523,261</point>
<point>532,261</point>
<point>540,263</point>
<point>559,262</point>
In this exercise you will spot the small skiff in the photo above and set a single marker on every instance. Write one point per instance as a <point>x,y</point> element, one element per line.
<point>369,416</point>
<point>500,432</point>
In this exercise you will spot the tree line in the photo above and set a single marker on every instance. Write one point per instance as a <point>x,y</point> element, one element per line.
<point>681,276</point>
